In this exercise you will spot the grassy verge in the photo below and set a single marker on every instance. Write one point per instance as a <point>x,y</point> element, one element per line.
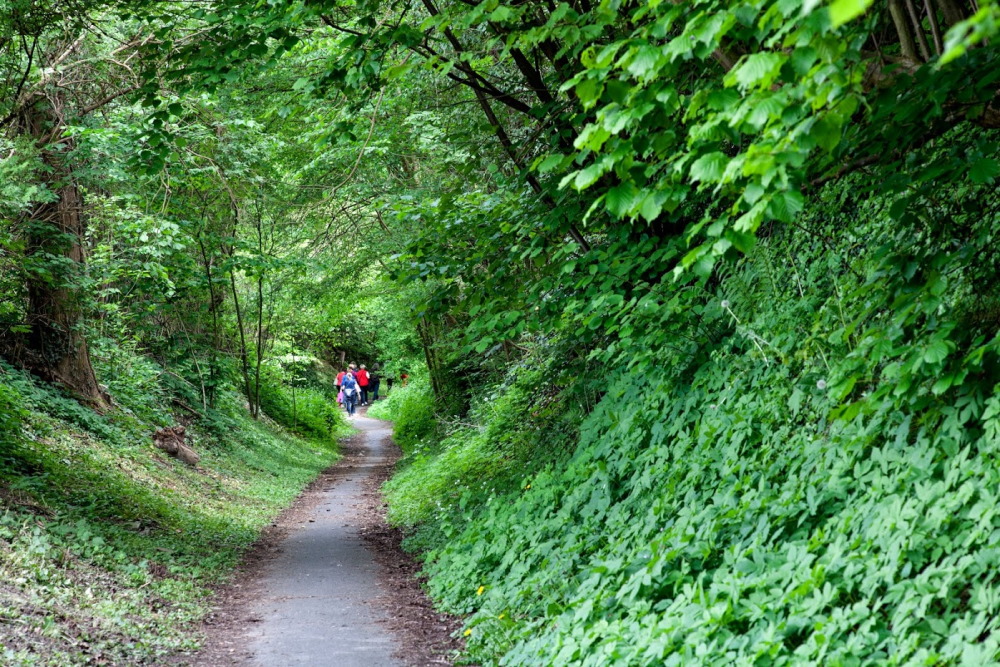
<point>108,547</point>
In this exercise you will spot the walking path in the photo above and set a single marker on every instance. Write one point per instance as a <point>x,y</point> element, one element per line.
<point>328,583</point>
<point>319,608</point>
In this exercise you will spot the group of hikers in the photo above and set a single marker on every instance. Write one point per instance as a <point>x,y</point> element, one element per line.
<point>356,385</point>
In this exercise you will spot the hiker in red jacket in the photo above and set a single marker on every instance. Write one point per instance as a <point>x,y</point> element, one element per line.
<point>362,377</point>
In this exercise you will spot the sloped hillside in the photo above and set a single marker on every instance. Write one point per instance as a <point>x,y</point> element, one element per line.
<point>807,476</point>
<point>109,546</point>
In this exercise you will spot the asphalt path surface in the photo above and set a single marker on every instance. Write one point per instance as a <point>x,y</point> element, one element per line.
<point>318,604</point>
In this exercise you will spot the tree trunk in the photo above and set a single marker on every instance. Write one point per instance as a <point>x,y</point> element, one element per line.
<point>56,346</point>
<point>214,303</point>
<point>907,45</point>
<point>952,12</point>
<point>260,342</point>
<point>918,31</point>
<point>427,342</point>
<point>244,360</point>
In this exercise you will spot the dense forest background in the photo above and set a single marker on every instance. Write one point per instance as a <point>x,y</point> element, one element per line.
<point>699,302</point>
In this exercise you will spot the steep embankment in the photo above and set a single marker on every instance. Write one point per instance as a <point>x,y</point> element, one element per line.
<point>108,547</point>
<point>807,475</point>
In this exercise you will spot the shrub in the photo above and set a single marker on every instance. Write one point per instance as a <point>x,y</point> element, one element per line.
<point>304,410</point>
<point>12,415</point>
<point>412,411</point>
<point>519,428</point>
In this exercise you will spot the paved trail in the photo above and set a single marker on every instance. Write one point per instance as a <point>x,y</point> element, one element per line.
<point>317,608</point>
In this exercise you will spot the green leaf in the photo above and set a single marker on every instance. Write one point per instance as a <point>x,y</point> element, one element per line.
<point>396,71</point>
<point>786,205</point>
<point>842,11</point>
<point>758,70</point>
<point>843,389</point>
<point>549,163</point>
<point>652,205</point>
<point>643,64</point>
<point>984,170</point>
<point>592,137</point>
<point>795,401</point>
<point>710,167</point>
<point>742,241</point>
<point>501,13</point>
<point>589,91</point>
<point>588,175</point>
<point>826,133</point>
<point>620,199</point>
<point>936,351</point>
<point>943,384</point>
<point>753,192</point>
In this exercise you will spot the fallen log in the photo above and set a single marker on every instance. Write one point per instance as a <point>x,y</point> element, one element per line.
<point>172,440</point>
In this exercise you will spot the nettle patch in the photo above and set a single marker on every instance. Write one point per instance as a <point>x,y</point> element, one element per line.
<point>713,525</point>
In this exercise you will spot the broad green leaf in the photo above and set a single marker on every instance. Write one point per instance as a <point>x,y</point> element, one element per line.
<point>550,162</point>
<point>943,384</point>
<point>592,137</point>
<point>984,170</point>
<point>589,91</point>
<point>758,70</point>
<point>826,132</point>
<point>786,205</point>
<point>501,13</point>
<point>643,63</point>
<point>842,11</point>
<point>709,168</point>
<point>588,176</point>
<point>652,205</point>
<point>936,351</point>
<point>620,199</point>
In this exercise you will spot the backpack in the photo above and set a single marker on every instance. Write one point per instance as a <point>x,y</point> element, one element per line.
<point>349,385</point>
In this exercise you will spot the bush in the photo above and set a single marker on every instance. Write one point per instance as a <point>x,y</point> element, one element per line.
<point>304,410</point>
<point>519,428</point>
<point>12,416</point>
<point>137,383</point>
<point>412,411</point>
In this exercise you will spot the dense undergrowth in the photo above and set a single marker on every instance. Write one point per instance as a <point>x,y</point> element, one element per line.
<point>699,303</point>
<point>108,547</point>
<point>807,476</point>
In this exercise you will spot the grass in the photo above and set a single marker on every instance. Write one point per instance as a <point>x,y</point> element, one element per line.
<point>108,547</point>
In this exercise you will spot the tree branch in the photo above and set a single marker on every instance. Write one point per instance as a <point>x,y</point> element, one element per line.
<point>109,98</point>
<point>24,78</point>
